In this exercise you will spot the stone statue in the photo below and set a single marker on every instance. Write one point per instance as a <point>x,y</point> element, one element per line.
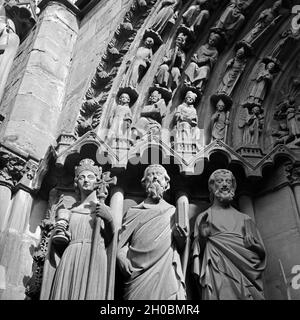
<point>261,83</point>
<point>169,72</point>
<point>231,20</point>
<point>228,253</point>
<point>266,19</point>
<point>121,118</point>
<point>148,251</point>
<point>68,275</point>
<point>293,118</point>
<point>186,120</point>
<point>252,124</point>
<point>167,12</point>
<point>196,14</point>
<point>151,115</point>
<point>235,68</point>
<point>198,71</point>
<point>139,64</point>
<point>219,121</point>
<point>9,44</point>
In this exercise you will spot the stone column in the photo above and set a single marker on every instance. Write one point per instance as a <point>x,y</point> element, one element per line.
<point>117,204</point>
<point>294,179</point>
<point>20,211</point>
<point>38,79</point>
<point>182,205</point>
<point>5,199</point>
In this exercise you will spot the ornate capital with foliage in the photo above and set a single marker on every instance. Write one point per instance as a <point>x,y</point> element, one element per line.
<point>293,173</point>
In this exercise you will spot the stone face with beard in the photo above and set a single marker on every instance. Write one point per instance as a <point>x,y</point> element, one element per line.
<point>228,253</point>
<point>222,187</point>
<point>155,183</point>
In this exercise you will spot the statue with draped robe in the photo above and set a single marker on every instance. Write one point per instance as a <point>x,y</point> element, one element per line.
<point>68,274</point>
<point>148,250</point>
<point>228,255</point>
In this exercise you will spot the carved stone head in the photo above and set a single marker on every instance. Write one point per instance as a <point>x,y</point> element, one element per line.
<point>214,39</point>
<point>220,105</point>
<point>124,99</point>
<point>181,40</point>
<point>87,174</point>
<point>222,185</point>
<point>190,97</point>
<point>240,53</point>
<point>155,181</point>
<point>155,96</point>
<point>149,42</point>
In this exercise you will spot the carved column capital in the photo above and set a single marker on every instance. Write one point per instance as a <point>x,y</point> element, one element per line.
<point>293,173</point>
<point>16,171</point>
<point>11,168</point>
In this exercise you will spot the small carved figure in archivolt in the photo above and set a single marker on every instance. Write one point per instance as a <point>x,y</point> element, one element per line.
<point>167,12</point>
<point>169,72</point>
<point>234,69</point>
<point>252,124</point>
<point>261,83</point>
<point>198,71</point>
<point>139,64</point>
<point>219,121</point>
<point>151,115</point>
<point>121,118</point>
<point>196,15</point>
<point>267,19</point>
<point>186,121</point>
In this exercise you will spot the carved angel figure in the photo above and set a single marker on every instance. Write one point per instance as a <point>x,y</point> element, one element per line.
<point>261,83</point>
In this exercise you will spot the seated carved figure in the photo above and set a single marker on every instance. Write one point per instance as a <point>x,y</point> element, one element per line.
<point>148,250</point>
<point>151,115</point>
<point>196,14</point>
<point>169,72</point>
<point>71,275</point>
<point>198,71</point>
<point>228,253</point>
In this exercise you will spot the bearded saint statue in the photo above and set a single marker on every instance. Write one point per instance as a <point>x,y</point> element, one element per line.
<point>228,255</point>
<point>148,250</point>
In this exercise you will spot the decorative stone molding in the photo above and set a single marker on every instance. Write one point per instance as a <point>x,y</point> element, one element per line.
<point>33,287</point>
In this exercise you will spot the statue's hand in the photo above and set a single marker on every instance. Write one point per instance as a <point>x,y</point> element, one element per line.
<point>125,266</point>
<point>204,230</point>
<point>204,227</point>
<point>103,212</point>
<point>180,232</point>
